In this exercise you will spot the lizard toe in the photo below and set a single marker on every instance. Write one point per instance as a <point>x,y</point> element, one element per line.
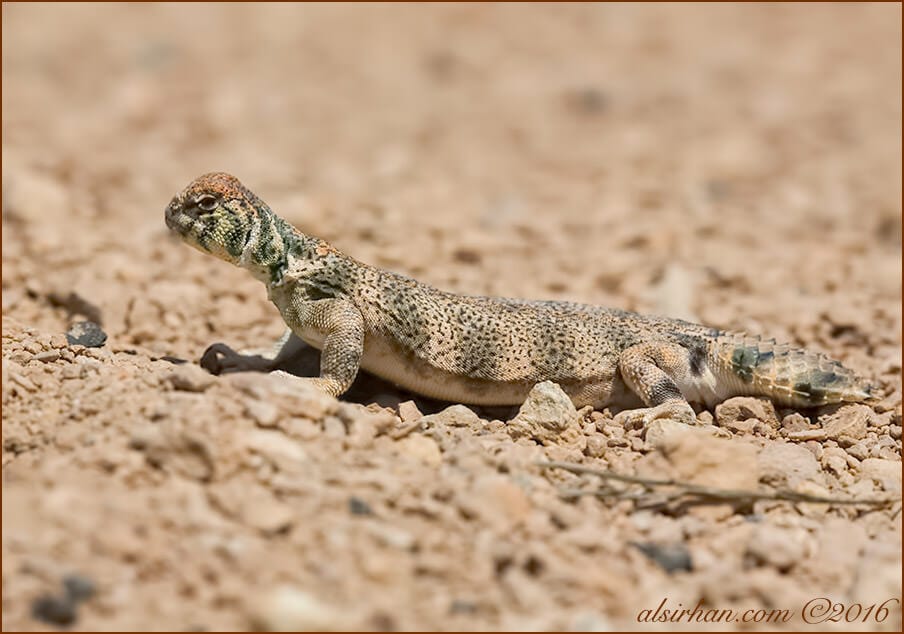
<point>679,411</point>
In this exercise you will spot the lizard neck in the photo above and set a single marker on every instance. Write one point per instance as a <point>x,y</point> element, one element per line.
<point>272,242</point>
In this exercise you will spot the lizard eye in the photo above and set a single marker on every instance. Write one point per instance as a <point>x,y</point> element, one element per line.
<point>207,203</point>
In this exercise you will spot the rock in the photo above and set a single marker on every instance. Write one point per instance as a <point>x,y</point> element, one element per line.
<point>806,435</point>
<point>795,422</point>
<point>743,408</point>
<point>497,501</point>
<point>452,416</point>
<point>848,425</point>
<point>878,574</point>
<point>333,427</point>
<point>669,557</point>
<point>252,504</point>
<point>775,546</point>
<point>59,611</point>
<point>290,609</point>
<point>32,346</point>
<point>839,546</point>
<point>596,447</point>
<point>76,371</point>
<point>421,448</point>
<point>190,378</point>
<point>362,432</point>
<point>409,412</point>
<point>886,472</point>
<point>48,356</point>
<point>86,333</point>
<point>58,341</point>
<point>658,431</point>
<point>289,394</point>
<point>785,465</point>
<point>284,453</point>
<point>548,407</point>
<point>809,487</point>
<point>859,451</point>
<point>176,449</point>
<point>392,536</point>
<point>697,456</point>
<point>264,414</point>
<point>301,428</point>
<point>835,463</point>
<point>549,417</point>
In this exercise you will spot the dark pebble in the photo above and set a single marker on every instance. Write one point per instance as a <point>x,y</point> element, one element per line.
<point>55,610</point>
<point>357,506</point>
<point>78,588</point>
<point>462,606</point>
<point>86,333</point>
<point>669,557</point>
<point>588,100</point>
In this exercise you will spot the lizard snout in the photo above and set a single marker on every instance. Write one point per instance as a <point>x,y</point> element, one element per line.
<point>173,212</point>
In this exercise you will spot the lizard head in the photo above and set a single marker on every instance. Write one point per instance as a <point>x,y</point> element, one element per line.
<point>215,214</point>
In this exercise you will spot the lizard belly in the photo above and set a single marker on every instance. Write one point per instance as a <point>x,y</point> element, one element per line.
<point>386,359</point>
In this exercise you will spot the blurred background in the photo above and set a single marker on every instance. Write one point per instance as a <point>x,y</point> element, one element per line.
<point>577,151</point>
<point>737,164</point>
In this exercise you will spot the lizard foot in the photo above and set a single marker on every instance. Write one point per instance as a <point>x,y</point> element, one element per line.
<point>679,411</point>
<point>221,359</point>
<point>322,384</point>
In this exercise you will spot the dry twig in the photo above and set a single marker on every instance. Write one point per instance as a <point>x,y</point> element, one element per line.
<point>698,490</point>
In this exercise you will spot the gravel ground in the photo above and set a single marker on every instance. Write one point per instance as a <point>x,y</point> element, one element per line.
<point>735,164</point>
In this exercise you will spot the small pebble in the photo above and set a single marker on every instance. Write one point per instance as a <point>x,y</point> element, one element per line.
<point>357,506</point>
<point>86,333</point>
<point>669,557</point>
<point>47,356</point>
<point>333,428</point>
<point>78,588</point>
<point>53,609</point>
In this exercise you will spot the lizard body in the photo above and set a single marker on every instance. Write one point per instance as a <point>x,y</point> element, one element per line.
<point>483,350</point>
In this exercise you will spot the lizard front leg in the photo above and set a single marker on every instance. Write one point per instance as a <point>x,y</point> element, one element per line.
<point>650,370</point>
<point>337,321</point>
<point>341,327</point>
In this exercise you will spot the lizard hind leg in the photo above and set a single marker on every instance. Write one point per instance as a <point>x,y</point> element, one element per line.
<point>650,370</point>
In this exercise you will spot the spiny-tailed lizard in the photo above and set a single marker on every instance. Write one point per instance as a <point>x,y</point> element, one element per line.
<point>483,350</point>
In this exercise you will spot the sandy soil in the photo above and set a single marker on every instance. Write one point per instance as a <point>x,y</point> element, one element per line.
<point>740,165</point>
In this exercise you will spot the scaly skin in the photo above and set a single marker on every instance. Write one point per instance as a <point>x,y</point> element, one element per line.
<point>482,350</point>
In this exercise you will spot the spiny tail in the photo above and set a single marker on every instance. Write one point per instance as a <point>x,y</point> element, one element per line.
<point>787,375</point>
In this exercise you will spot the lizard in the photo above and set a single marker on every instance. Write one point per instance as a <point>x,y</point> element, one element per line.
<point>483,350</point>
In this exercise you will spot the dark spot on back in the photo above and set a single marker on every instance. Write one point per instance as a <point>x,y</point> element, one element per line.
<point>697,359</point>
<point>744,360</point>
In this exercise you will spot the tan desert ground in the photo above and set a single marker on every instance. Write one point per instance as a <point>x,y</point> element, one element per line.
<point>737,164</point>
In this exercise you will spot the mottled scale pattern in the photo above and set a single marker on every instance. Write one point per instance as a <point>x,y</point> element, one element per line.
<point>789,376</point>
<point>488,350</point>
<point>500,339</point>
